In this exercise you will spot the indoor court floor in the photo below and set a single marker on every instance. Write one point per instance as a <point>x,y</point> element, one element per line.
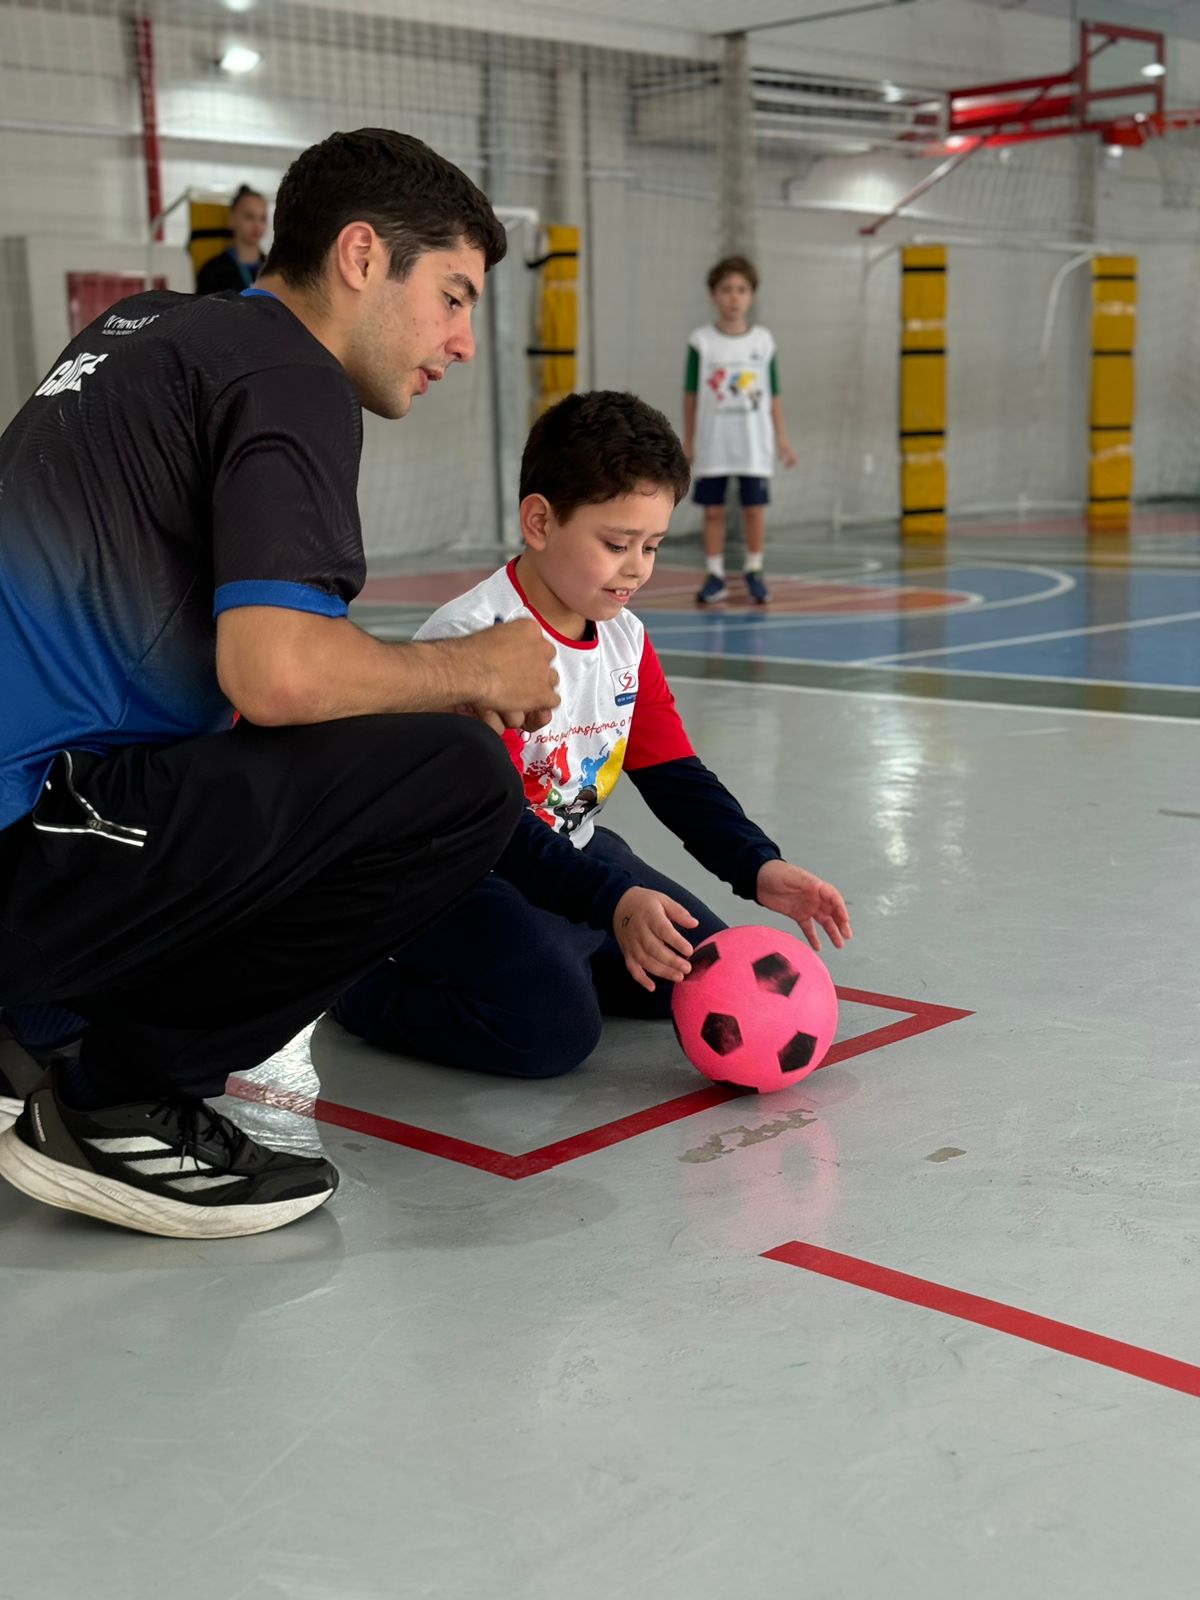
<point>923,1325</point>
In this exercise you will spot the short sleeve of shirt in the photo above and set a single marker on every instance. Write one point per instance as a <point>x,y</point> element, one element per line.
<point>657,733</point>
<point>691,377</point>
<point>285,446</point>
<point>774,375</point>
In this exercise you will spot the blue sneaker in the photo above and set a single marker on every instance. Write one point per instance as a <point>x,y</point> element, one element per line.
<point>756,588</point>
<point>712,591</point>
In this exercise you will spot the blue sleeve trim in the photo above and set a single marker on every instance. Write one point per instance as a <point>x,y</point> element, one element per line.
<point>272,592</point>
<point>254,294</point>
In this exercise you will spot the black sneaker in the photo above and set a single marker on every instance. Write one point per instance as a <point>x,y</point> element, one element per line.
<point>756,588</point>
<point>171,1167</point>
<point>20,1074</point>
<point>712,591</point>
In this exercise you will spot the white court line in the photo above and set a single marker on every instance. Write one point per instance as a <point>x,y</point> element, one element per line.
<point>1041,677</point>
<point>931,700</point>
<point>1028,638</point>
<point>973,672</point>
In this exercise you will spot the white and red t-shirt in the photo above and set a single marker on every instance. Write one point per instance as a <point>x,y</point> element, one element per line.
<point>616,709</point>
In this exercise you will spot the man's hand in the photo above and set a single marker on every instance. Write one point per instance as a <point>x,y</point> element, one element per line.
<point>807,899</point>
<point>516,660</point>
<point>653,947</point>
<point>512,665</point>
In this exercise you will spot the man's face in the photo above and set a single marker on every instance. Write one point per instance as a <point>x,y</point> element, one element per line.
<point>408,332</point>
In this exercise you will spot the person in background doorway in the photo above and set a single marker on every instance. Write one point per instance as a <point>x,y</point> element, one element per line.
<point>239,266</point>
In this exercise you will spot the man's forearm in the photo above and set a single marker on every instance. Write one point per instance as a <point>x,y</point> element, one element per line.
<point>287,667</point>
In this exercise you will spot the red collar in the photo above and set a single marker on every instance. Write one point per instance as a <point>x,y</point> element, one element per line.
<point>575,644</point>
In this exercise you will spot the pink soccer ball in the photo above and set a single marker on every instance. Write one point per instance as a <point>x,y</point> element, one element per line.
<point>758,1009</point>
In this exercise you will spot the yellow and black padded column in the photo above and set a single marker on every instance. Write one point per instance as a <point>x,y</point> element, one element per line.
<point>1114,334</point>
<point>923,392</point>
<point>209,231</point>
<point>556,317</point>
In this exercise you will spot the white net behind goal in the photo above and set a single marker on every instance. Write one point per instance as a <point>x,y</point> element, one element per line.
<point>625,145</point>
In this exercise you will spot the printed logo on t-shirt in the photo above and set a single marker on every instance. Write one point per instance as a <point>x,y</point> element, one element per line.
<point>114,326</point>
<point>738,390</point>
<point>70,374</point>
<point>625,685</point>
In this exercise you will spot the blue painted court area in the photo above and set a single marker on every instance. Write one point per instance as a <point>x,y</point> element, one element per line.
<point>1093,624</point>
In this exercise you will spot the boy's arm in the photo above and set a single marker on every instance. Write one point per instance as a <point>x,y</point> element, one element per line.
<point>691,383</point>
<point>689,426</point>
<point>681,791</point>
<point>693,802</point>
<point>554,876</point>
<point>786,454</point>
<point>700,811</point>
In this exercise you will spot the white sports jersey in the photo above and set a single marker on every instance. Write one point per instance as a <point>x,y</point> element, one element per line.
<point>616,709</point>
<point>733,378</point>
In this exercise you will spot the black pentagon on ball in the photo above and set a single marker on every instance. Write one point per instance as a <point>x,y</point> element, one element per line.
<point>721,1033</point>
<point>776,973</point>
<point>706,956</point>
<point>797,1052</point>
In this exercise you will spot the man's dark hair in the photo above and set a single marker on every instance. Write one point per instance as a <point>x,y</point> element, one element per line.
<point>727,266</point>
<point>245,192</point>
<point>415,200</point>
<point>590,448</point>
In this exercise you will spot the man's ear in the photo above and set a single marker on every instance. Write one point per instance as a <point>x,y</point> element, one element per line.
<point>536,517</point>
<point>354,251</point>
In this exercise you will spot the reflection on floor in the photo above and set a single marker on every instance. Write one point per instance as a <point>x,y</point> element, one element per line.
<point>604,1378</point>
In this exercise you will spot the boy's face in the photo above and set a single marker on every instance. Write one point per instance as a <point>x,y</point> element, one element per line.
<point>733,298</point>
<point>598,559</point>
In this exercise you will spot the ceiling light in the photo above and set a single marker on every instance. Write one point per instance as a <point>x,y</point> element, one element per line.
<point>238,58</point>
<point>1156,69</point>
<point>1115,150</point>
<point>892,93</point>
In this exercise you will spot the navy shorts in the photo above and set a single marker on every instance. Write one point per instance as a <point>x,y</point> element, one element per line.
<point>712,491</point>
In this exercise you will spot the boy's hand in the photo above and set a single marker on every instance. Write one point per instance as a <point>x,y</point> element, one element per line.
<point>653,947</point>
<point>787,455</point>
<point>807,899</point>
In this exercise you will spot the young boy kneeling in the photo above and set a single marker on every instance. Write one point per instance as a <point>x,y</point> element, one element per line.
<point>572,926</point>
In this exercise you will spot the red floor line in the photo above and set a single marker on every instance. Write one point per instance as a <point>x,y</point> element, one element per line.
<point>922,1016</point>
<point>1165,1371</point>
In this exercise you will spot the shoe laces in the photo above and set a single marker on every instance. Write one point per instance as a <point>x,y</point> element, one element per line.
<point>197,1122</point>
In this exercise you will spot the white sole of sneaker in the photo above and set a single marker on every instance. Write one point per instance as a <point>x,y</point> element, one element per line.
<point>10,1110</point>
<point>73,1189</point>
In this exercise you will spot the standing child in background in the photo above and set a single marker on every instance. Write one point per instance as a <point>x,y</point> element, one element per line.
<point>733,424</point>
<point>572,926</point>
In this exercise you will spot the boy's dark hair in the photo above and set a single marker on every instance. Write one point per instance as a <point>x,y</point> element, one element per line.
<point>590,448</point>
<point>727,266</point>
<point>415,200</point>
<point>245,192</point>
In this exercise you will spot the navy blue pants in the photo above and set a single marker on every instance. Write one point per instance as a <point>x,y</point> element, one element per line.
<point>499,986</point>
